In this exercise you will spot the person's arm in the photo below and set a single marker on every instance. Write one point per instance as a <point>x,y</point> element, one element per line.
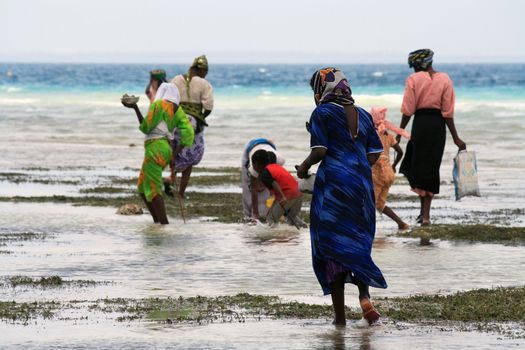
<point>318,143</point>
<point>155,115</point>
<point>254,189</point>
<point>372,157</point>
<point>279,191</point>
<point>207,99</point>
<point>187,134</point>
<point>136,109</point>
<point>404,122</point>
<point>452,128</point>
<point>316,155</point>
<point>408,106</point>
<point>374,146</point>
<point>399,156</point>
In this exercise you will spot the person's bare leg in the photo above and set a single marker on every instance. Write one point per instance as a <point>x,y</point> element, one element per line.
<point>184,181</point>
<point>427,201</point>
<point>420,216</point>
<point>392,215</point>
<point>369,311</point>
<point>150,208</point>
<point>160,209</point>
<point>338,299</point>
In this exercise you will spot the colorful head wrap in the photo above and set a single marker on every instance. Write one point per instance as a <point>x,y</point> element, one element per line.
<point>420,58</point>
<point>169,92</point>
<point>200,62</point>
<point>158,74</point>
<point>331,84</point>
<point>382,124</point>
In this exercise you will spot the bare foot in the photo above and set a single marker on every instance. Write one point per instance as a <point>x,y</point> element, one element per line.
<point>339,323</point>
<point>403,226</point>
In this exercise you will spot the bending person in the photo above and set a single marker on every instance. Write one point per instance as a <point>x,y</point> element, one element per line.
<point>163,117</point>
<point>429,96</point>
<point>342,214</point>
<point>254,193</point>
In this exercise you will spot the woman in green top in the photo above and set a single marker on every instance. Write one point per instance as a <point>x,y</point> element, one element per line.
<point>163,117</point>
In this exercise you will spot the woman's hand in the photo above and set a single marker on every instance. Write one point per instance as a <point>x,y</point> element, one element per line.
<point>461,145</point>
<point>129,105</point>
<point>302,171</point>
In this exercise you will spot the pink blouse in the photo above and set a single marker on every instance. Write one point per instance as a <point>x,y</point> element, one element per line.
<point>424,91</point>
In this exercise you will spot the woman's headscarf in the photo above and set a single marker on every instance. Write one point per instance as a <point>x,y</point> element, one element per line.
<point>200,62</point>
<point>331,84</point>
<point>382,124</point>
<point>420,58</point>
<point>169,92</point>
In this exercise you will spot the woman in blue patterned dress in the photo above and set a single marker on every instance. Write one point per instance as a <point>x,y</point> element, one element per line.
<point>342,215</point>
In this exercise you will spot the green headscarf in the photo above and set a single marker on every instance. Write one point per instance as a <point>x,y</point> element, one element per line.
<point>158,74</point>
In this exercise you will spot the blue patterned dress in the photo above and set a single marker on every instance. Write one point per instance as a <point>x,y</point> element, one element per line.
<point>342,215</point>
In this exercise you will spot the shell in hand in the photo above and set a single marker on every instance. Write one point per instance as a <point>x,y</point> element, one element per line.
<point>129,99</point>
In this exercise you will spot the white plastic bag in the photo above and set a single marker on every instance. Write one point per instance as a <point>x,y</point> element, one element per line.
<point>307,185</point>
<point>465,174</point>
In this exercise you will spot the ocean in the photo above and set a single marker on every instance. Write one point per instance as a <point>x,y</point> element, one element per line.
<point>71,109</point>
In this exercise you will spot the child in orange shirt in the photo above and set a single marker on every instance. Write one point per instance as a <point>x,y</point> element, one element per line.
<point>383,174</point>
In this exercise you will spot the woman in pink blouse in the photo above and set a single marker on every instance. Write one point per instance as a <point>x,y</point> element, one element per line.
<point>429,96</point>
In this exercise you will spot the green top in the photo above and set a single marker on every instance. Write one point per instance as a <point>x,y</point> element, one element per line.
<point>162,110</point>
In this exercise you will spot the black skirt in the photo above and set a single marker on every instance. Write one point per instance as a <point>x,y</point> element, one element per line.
<point>425,150</point>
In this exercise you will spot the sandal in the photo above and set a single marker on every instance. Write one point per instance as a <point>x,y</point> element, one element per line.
<point>369,311</point>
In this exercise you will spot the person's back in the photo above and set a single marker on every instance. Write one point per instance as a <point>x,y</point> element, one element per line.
<point>429,90</point>
<point>344,152</point>
<point>288,184</point>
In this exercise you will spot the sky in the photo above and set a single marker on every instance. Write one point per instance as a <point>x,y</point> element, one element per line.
<point>269,31</point>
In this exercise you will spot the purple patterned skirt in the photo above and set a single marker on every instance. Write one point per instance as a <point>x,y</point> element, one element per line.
<point>189,156</point>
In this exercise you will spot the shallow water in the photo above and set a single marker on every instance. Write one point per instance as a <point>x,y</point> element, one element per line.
<point>209,258</point>
<point>250,335</point>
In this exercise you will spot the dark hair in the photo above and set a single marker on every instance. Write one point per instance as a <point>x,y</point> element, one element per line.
<point>272,158</point>
<point>147,91</point>
<point>261,157</point>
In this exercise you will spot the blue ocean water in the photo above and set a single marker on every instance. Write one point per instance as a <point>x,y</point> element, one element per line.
<point>473,81</point>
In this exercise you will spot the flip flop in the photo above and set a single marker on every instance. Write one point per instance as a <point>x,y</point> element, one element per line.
<point>369,311</point>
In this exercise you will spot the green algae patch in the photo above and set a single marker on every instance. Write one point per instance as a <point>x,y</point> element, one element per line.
<point>18,178</point>
<point>223,207</point>
<point>480,305</point>
<point>7,237</point>
<point>79,201</point>
<point>105,189</point>
<point>236,308</point>
<point>23,312</point>
<point>475,310</point>
<point>514,236</point>
<point>46,282</point>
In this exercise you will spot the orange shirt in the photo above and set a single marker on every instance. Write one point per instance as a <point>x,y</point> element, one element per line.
<point>425,91</point>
